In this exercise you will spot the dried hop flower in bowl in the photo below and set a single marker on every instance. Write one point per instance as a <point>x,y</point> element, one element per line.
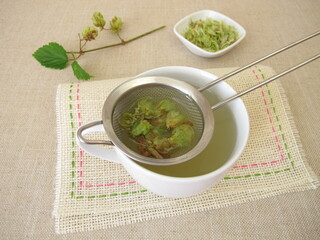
<point>209,34</point>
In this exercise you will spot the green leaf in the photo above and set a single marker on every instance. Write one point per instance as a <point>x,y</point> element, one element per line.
<point>52,55</point>
<point>79,72</point>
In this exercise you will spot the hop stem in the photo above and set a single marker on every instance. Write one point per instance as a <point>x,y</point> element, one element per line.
<point>117,44</point>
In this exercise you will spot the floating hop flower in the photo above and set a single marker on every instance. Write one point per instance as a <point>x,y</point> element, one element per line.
<point>98,20</point>
<point>116,24</point>
<point>89,33</point>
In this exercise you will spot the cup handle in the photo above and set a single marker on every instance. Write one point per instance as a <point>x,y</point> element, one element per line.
<point>91,146</point>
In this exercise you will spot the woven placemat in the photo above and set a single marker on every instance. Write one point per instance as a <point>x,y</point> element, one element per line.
<point>95,194</point>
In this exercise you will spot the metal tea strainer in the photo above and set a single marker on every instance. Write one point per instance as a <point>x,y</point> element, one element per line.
<point>190,100</point>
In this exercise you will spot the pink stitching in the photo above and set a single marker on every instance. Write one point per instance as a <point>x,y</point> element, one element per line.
<point>122,183</point>
<point>79,124</point>
<point>81,151</point>
<point>273,130</point>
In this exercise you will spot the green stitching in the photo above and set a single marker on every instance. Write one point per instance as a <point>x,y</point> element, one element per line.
<point>73,154</point>
<point>286,146</point>
<point>73,145</point>
<point>111,195</point>
<point>277,117</point>
<point>257,174</point>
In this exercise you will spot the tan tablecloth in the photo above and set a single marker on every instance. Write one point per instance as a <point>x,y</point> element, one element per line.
<point>27,107</point>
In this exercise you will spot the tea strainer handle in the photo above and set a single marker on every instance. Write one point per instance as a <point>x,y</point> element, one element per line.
<point>93,126</point>
<point>93,147</point>
<point>240,94</point>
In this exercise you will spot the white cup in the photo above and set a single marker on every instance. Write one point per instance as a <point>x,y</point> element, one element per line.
<point>171,186</point>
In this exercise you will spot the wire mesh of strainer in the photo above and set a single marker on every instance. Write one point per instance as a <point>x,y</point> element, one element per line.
<point>189,102</point>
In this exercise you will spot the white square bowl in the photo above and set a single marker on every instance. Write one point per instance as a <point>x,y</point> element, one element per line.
<point>183,24</point>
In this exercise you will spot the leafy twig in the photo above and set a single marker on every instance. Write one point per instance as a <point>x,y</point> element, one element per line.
<point>53,55</point>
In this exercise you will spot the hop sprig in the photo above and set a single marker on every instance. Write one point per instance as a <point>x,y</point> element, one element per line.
<point>53,55</point>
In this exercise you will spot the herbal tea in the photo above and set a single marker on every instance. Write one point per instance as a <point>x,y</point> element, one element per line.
<point>216,153</point>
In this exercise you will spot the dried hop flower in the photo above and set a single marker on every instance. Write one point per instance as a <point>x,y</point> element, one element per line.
<point>116,24</point>
<point>89,33</point>
<point>98,20</point>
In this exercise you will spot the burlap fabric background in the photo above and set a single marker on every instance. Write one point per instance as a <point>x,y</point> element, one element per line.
<point>27,108</point>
